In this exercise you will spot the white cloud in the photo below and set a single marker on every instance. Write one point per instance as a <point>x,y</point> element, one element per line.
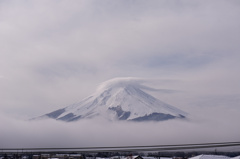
<point>49,133</point>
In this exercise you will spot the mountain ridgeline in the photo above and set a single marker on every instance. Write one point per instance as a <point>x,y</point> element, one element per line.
<point>118,99</point>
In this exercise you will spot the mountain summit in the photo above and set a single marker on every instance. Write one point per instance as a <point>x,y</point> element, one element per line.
<point>119,99</point>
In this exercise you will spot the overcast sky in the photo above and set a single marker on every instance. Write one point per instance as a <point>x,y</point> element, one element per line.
<point>54,53</point>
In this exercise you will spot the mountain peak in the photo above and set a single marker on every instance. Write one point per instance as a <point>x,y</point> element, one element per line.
<point>119,99</point>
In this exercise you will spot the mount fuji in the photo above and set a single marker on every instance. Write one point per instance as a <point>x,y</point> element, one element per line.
<point>119,99</point>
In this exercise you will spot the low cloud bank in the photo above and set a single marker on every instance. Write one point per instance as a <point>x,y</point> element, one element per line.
<point>85,133</point>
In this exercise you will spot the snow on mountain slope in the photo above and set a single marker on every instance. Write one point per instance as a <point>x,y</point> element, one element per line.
<point>119,99</point>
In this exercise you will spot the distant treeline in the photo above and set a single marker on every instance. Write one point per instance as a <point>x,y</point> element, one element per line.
<point>192,153</point>
<point>163,154</point>
<point>170,154</point>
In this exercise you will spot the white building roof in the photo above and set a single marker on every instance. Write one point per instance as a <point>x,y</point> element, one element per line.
<point>210,157</point>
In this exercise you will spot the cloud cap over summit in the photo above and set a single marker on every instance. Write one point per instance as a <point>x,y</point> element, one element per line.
<point>119,99</point>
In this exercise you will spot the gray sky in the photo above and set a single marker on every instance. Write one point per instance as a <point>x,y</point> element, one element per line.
<point>55,53</point>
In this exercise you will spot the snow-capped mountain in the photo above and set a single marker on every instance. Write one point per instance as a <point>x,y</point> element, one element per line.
<point>119,99</point>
